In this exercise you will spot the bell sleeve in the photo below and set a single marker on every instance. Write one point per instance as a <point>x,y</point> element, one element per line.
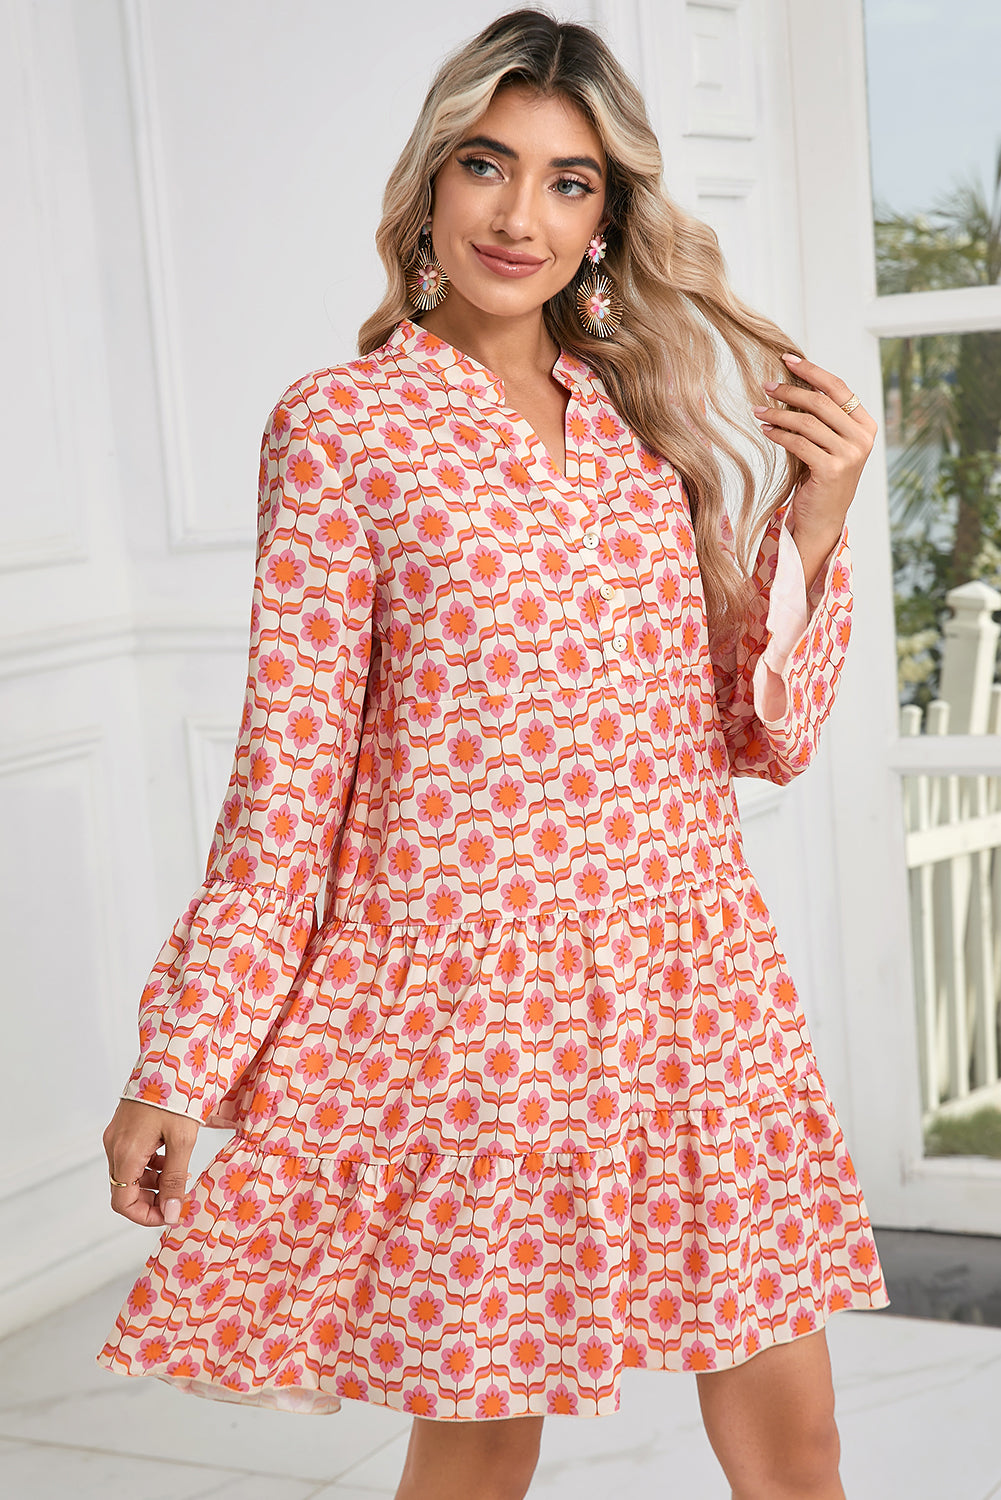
<point>776,682</point>
<point>227,967</point>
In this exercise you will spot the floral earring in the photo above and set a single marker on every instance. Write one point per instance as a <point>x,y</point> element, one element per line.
<point>427,284</point>
<point>599,305</point>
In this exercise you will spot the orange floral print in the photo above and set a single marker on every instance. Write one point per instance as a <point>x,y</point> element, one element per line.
<point>521,1088</point>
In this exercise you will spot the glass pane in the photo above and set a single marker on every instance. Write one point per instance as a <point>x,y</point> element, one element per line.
<point>954,875</point>
<point>935,141</point>
<point>943,425</point>
<point>942,398</point>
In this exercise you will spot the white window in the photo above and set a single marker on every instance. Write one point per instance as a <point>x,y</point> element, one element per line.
<point>898,135</point>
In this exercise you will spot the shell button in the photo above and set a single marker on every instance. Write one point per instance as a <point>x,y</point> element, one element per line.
<point>619,642</point>
<point>607,591</point>
<point>590,539</point>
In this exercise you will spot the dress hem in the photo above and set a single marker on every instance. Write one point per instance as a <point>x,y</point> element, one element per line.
<point>543,1403</point>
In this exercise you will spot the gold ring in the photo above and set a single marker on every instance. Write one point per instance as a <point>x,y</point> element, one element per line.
<point>115,1183</point>
<point>850,404</point>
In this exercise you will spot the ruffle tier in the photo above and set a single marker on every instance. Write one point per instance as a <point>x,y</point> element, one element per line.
<point>489,1285</point>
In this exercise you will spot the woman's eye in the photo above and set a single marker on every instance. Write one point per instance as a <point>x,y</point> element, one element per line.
<point>574,182</point>
<point>473,162</point>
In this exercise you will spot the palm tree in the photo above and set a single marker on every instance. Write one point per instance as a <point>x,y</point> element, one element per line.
<point>943,397</point>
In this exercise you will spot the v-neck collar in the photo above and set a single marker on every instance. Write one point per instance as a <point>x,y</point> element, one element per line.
<point>457,368</point>
<point>434,356</point>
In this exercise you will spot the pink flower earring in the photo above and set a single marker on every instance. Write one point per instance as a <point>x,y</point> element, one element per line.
<point>426,281</point>
<point>599,306</point>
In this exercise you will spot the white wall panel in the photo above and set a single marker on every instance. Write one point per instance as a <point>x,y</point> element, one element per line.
<point>211,744</point>
<point>720,87</point>
<point>729,205</point>
<point>57,960</point>
<point>40,515</point>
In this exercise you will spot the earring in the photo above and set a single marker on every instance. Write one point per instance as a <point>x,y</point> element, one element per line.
<point>427,283</point>
<point>596,249</point>
<point>599,305</point>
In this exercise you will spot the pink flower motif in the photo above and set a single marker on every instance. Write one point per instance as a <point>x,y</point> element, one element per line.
<point>197,1056</point>
<point>153,1351</point>
<point>590,882</point>
<point>240,868</point>
<point>304,727</point>
<point>727,1309</point>
<point>426,1310</point>
<point>153,1089</point>
<point>321,783</point>
<point>228,1333</point>
<point>260,1247</point>
<point>665,1310</point>
<point>476,851</point>
<point>380,486</point>
<point>696,1262</point>
<point>274,670</point>
<point>467,1265</point>
<point>315,1062</point>
<point>791,1233</point>
<point>282,823</point>
<point>518,895</point>
<point>285,571</point>
<point>262,979</point>
<point>698,1357</point>
<point>212,1291</point>
<point>304,471</point>
<point>140,1298</point>
<point>462,1109</point>
<point>594,1356</point>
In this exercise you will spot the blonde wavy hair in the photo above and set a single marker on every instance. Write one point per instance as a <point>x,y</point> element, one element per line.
<point>685,340</point>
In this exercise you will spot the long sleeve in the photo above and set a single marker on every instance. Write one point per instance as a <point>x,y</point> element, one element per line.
<point>227,967</point>
<point>775,685</point>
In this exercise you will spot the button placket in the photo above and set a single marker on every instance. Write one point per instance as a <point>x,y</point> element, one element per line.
<point>612,629</point>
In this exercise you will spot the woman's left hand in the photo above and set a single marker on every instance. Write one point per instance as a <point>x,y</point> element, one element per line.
<point>833,443</point>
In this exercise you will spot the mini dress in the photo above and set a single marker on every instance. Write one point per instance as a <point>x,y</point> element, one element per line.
<point>520,1086</point>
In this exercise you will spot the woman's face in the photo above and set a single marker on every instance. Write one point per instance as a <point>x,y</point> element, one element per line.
<point>517,201</point>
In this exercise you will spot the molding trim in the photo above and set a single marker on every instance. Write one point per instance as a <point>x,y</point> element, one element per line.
<point>67,544</point>
<point>52,1164</point>
<point>59,1151</point>
<point>960,309</point>
<point>186,532</point>
<point>206,740</point>
<point>67,646</point>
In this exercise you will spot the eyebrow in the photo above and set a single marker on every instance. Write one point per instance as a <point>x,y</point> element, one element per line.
<point>487,143</point>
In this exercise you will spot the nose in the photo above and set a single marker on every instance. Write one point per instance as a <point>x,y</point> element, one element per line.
<point>516,210</point>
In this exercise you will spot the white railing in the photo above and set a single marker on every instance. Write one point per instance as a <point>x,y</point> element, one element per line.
<point>954,864</point>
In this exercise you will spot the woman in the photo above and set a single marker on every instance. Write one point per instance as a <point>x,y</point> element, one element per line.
<point>521,1086</point>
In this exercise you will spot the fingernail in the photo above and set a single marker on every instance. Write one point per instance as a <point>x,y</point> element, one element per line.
<point>771,385</point>
<point>172,1210</point>
<point>792,359</point>
<point>759,411</point>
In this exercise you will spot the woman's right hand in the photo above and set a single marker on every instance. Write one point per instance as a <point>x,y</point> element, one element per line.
<point>155,1180</point>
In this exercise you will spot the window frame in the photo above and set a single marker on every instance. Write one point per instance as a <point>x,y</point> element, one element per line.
<point>845,320</point>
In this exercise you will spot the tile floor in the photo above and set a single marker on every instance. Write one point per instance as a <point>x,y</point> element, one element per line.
<point>918,1408</point>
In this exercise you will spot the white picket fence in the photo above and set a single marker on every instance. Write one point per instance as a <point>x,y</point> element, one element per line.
<point>954,863</point>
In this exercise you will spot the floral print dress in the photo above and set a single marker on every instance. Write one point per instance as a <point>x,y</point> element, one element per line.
<point>520,1085</point>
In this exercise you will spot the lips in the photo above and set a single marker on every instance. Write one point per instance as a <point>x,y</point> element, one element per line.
<point>508,263</point>
<point>509,257</point>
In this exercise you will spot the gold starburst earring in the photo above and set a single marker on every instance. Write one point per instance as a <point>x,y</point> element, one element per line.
<point>427,284</point>
<point>599,305</point>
